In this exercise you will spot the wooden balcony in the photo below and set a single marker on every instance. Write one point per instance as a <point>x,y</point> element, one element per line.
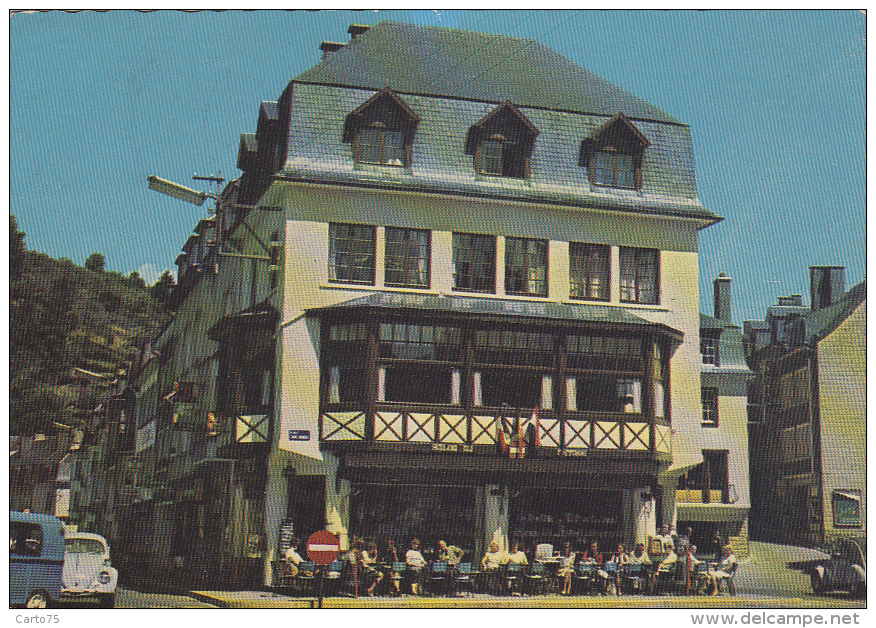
<point>442,429</point>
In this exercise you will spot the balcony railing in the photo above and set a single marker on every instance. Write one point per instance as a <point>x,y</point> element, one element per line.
<point>571,431</point>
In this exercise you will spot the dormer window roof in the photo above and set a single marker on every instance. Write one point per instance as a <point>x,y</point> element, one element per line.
<point>381,130</point>
<point>501,143</point>
<point>613,154</point>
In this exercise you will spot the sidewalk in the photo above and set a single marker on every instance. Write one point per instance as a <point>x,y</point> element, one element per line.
<point>262,599</point>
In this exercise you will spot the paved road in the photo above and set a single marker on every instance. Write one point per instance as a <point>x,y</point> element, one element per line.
<point>127,598</point>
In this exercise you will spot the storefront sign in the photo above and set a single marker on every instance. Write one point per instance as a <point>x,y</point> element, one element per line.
<point>453,448</point>
<point>572,453</point>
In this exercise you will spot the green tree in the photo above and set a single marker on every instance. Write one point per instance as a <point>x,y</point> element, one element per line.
<point>162,288</point>
<point>137,280</point>
<point>95,263</point>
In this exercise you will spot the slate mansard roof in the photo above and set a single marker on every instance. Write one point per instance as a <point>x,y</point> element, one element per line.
<point>451,79</point>
<point>450,63</point>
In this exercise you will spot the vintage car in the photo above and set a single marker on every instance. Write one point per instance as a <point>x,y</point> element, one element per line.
<point>845,570</point>
<point>88,573</point>
<point>36,556</point>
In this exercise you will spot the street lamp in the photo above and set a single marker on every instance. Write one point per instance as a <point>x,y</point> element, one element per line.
<point>177,191</point>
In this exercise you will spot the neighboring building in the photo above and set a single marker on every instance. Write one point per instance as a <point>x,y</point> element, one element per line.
<point>33,470</point>
<point>808,417</point>
<point>441,306</point>
<point>713,497</point>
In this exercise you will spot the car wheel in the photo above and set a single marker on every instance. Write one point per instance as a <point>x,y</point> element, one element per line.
<point>108,600</point>
<point>859,591</point>
<point>817,583</point>
<point>37,599</point>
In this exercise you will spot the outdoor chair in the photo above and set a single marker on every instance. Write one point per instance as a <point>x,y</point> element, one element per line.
<point>584,576</point>
<point>534,579</point>
<point>398,574</point>
<point>513,573</point>
<point>307,577</point>
<point>464,577</point>
<point>438,577</point>
<point>731,589</point>
<point>333,577</point>
<point>633,577</point>
<point>283,579</point>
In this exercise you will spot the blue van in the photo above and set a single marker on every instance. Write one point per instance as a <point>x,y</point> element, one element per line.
<point>36,559</point>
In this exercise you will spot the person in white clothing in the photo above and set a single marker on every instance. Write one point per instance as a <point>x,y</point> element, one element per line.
<point>293,557</point>
<point>415,562</point>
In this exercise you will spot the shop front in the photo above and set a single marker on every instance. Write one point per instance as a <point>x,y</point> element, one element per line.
<point>468,421</point>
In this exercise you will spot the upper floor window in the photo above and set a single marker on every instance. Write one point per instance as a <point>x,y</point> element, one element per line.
<point>526,266</point>
<point>474,262</point>
<point>351,253</point>
<point>613,154</point>
<point>381,130</point>
<point>589,271</point>
<point>710,407</point>
<point>613,169</point>
<point>378,145</point>
<point>709,347</point>
<point>407,257</point>
<point>638,275</point>
<point>502,142</point>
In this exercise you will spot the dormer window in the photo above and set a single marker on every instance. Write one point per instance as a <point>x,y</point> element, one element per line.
<point>381,131</point>
<point>501,143</point>
<point>379,145</point>
<point>613,154</point>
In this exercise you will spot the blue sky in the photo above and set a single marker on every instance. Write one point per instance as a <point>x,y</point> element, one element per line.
<point>775,100</point>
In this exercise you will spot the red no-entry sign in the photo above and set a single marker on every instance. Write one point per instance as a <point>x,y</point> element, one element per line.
<point>323,547</point>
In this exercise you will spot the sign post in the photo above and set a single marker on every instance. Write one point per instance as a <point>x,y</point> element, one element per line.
<point>322,548</point>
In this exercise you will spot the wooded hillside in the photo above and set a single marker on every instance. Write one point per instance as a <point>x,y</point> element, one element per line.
<point>64,316</point>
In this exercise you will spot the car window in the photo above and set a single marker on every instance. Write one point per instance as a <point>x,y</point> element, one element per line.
<point>84,546</point>
<point>25,539</point>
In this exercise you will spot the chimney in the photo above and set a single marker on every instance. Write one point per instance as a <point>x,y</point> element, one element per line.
<point>328,47</point>
<point>357,29</point>
<point>827,285</point>
<point>722,298</point>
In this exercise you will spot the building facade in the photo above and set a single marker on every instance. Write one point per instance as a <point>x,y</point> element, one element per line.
<point>440,306</point>
<point>808,416</point>
<point>713,497</point>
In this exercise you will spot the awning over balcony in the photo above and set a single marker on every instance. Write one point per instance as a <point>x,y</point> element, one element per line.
<point>451,306</point>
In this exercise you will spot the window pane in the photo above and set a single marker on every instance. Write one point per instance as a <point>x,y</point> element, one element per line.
<point>369,145</point>
<point>394,148</point>
<point>526,266</point>
<point>474,262</point>
<point>418,384</point>
<point>516,390</point>
<point>491,157</point>
<point>638,275</point>
<point>589,270</point>
<point>351,253</point>
<point>407,257</point>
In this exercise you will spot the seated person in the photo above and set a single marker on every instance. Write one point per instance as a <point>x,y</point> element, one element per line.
<point>450,554</point>
<point>640,557</point>
<point>567,567</point>
<point>665,539</point>
<point>293,558</point>
<point>371,576</point>
<point>516,557</point>
<point>491,564</point>
<point>724,569</point>
<point>415,562</point>
<point>692,562</point>
<point>619,559</point>
<point>593,555</point>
